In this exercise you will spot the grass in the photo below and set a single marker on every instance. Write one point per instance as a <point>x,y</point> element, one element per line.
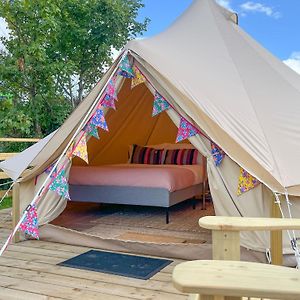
<point>6,203</point>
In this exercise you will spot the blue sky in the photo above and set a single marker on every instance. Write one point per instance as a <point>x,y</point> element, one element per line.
<point>273,23</point>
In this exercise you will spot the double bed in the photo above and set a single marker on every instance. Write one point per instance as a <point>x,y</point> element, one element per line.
<point>161,185</point>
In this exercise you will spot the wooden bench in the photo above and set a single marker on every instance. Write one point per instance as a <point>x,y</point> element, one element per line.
<point>217,279</point>
<point>226,233</point>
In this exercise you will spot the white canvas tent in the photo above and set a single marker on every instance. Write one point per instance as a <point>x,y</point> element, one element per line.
<point>220,79</point>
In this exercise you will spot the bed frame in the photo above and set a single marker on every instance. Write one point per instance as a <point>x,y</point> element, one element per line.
<point>158,197</point>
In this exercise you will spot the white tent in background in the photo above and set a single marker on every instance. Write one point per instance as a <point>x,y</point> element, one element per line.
<point>221,80</point>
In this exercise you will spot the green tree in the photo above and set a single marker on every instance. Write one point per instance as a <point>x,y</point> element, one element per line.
<point>55,52</point>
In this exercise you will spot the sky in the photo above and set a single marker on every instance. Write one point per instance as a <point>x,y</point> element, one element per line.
<point>273,23</point>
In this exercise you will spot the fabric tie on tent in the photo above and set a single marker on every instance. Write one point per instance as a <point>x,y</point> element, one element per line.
<point>99,120</point>
<point>246,182</point>
<point>30,224</point>
<point>186,130</point>
<point>108,101</point>
<point>60,185</point>
<point>91,130</point>
<point>160,104</point>
<point>81,149</point>
<point>217,153</point>
<point>126,68</point>
<point>138,77</point>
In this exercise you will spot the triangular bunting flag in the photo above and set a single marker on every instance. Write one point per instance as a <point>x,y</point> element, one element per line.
<point>246,182</point>
<point>126,68</point>
<point>99,120</point>
<point>111,89</point>
<point>60,185</point>
<point>81,149</point>
<point>185,130</point>
<point>70,151</point>
<point>49,169</point>
<point>160,104</point>
<point>108,101</point>
<point>217,153</point>
<point>91,130</point>
<point>138,77</point>
<point>30,224</point>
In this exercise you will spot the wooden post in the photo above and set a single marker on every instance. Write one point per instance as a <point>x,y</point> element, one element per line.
<point>16,210</point>
<point>276,237</point>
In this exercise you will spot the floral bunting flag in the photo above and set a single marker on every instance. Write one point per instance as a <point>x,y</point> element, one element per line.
<point>60,185</point>
<point>138,78</point>
<point>246,182</point>
<point>81,149</point>
<point>108,101</point>
<point>126,68</point>
<point>30,224</point>
<point>91,130</point>
<point>49,169</point>
<point>69,152</point>
<point>99,120</point>
<point>160,104</point>
<point>185,130</point>
<point>111,89</point>
<point>217,153</point>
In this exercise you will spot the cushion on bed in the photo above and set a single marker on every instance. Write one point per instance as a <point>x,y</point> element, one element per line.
<point>183,157</point>
<point>146,155</point>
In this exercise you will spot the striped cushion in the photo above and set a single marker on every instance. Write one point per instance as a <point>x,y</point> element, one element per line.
<point>146,155</point>
<point>183,157</point>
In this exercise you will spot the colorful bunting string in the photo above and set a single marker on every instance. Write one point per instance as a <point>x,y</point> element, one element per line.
<point>98,120</point>
<point>60,185</point>
<point>138,77</point>
<point>246,182</point>
<point>30,224</point>
<point>111,89</point>
<point>91,130</point>
<point>126,68</point>
<point>81,149</point>
<point>160,104</point>
<point>217,153</point>
<point>108,101</point>
<point>185,130</point>
<point>49,169</point>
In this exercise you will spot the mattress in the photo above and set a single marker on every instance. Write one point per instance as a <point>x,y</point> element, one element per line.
<point>170,177</point>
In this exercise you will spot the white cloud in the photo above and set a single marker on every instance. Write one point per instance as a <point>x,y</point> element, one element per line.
<point>226,4</point>
<point>255,7</point>
<point>294,61</point>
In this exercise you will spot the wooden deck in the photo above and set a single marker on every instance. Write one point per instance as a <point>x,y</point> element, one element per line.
<point>28,270</point>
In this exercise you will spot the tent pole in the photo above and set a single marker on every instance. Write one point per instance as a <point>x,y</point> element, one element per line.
<point>16,210</point>
<point>276,237</point>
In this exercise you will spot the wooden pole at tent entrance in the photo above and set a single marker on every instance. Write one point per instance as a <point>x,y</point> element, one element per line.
<point>276,237</point>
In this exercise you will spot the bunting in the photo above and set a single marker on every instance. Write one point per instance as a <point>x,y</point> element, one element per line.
<point>81,149</point>
<point>185,130</point>
<point>246,182</point>
<point>49,169</point>
<point>60,185</point>
<point>30,224</point>
<point>138,77</point>
<point>160,104</point>
<point>217,153</point>
<point>99,120</point>
<point>91,130</point>
<point>126,68</point>
<point>111,89</point>
<point>69,152</point>
<point>108,101</point>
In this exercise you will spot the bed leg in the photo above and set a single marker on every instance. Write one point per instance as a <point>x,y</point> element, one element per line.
<point>167,216</point>
<point>203,196</point>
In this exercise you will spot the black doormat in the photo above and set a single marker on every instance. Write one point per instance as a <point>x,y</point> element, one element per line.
<point>140,267</point>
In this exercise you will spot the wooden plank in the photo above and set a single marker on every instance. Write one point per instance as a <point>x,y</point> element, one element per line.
<point>234,278</point>
<point>16,210</point>
<point>4,156</point>
<point>276,238</point>
<point>19,140</point>
<point>3,175</point>
<point>248,224</point>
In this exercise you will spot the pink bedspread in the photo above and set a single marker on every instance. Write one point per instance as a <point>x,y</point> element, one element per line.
<point>171,177</point>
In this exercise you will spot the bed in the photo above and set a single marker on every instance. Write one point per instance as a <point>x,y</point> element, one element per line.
<point>137,184</point>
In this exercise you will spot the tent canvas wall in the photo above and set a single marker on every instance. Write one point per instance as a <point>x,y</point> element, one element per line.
<point>219,79</point>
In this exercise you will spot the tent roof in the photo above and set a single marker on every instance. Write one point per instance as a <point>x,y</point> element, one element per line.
<point>243,92</point>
